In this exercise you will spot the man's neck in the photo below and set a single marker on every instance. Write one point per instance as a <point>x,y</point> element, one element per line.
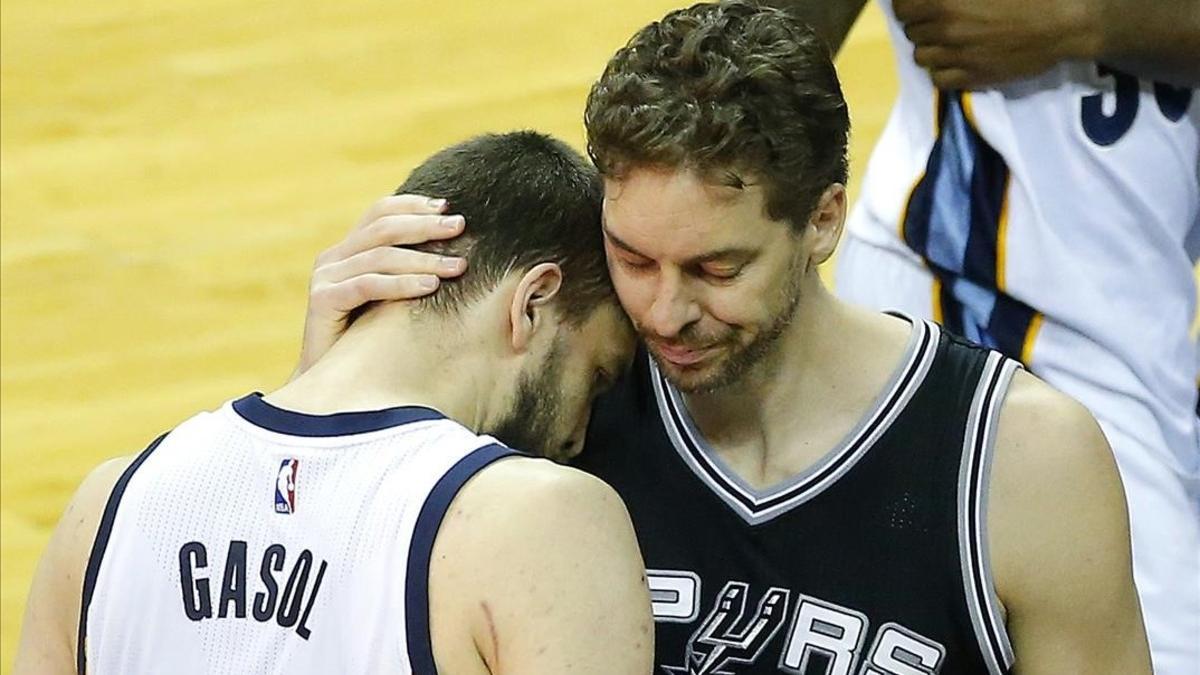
<point>802,398</point>
<point>388,359</point>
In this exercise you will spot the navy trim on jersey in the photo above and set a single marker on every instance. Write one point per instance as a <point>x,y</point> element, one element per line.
<point>953,220</point>
<point>954,214</point>
<point>255,409</point>
<point>420,552</point>
<point>98,548</point>
<point>756,507</point>
<point>984,316</point>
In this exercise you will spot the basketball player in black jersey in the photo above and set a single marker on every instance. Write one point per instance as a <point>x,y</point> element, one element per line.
<point>815,489</point>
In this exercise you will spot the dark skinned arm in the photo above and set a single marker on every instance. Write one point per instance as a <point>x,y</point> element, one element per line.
<point>966,44</point>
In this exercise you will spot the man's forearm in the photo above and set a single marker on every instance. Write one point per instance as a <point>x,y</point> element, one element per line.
<point>831,19</point>
<point>1157,40</point>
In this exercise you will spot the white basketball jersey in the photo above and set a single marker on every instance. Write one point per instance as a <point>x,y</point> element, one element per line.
<point>257,540</point>
<point>1061,217</point>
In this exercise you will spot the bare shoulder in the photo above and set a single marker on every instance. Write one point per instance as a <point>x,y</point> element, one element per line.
<point>1054,480</point>
<point>98,484</point>
<point>537,503</point>
<point>81,519</point>
<point>1045,436</point>
<point>82,516</point>
<point>536,569</point>
<point>49,636</point>
<point>524,482</point>
<point>1059,534</point>
<point>83,513</point>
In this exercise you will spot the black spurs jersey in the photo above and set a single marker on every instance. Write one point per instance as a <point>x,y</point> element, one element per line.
<point>872,561</point>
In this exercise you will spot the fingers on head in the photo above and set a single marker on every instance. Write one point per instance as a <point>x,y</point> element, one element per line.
<point>394,230</point>
<point>405,204</point>
<point>376,287</point>
<point>392,260</point>
<point>406,230</point>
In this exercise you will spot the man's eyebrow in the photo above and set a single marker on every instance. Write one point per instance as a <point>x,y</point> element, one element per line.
<point>621,244</point>
<point>736,252</point>
<point>733,252</point>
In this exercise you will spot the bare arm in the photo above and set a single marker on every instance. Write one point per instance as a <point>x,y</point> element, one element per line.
<point>1159,40</point>
<point>537,572</point>
<point>965,44</point>
<point>831,19</point>
<point>51,623</point>
<point>1060,540</point>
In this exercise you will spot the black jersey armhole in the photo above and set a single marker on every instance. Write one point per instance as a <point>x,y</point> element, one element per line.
<point>984,607</point>
<point>99,546</point>
<point>420,552</point>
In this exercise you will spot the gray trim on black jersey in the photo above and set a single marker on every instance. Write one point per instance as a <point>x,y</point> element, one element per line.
<point>983,605</point>
<point>756,506</point>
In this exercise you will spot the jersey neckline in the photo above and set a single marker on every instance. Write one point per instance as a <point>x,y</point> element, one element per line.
<point>755,505</point>
<point>256,410</point>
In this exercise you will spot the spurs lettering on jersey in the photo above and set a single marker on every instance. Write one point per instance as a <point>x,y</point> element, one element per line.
<point>288,608</point>
<point>821,637</point>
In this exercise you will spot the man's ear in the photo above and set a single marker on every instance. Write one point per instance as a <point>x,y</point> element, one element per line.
<point>825,223</point>
<point>528,310</point>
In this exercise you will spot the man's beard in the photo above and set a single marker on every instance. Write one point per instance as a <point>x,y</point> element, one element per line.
<point>741,359</point>
<point>530,425</point>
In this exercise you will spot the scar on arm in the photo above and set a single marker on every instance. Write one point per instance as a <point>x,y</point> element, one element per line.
<point>494,661</point>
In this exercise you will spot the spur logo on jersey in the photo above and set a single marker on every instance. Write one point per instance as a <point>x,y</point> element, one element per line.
<point>728,635</point>
<point>285,486</point>
<point>822,638</point>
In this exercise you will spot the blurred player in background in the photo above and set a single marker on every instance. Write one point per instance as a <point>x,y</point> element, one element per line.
<point>816,488</point>
<point>1037,190</point>
<point>346,523</point>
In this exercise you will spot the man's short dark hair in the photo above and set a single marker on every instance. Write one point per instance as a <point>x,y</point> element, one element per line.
<point>736,92</point>
<point>527,199</point>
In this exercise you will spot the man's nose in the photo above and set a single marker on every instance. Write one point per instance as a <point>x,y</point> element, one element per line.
<point>673,307</point>
<point>574,445</point>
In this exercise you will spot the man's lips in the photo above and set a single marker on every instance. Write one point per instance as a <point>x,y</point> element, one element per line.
<point>681,356</point>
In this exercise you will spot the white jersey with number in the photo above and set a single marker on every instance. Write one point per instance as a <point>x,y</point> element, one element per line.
<point>1057,219</point>
<point>1060,216</point>
<point>252,539</point>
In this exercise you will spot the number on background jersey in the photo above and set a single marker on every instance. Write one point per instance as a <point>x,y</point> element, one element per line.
<point>1108,128</point>
<point>1107,116</point>
<point>1172,101</point>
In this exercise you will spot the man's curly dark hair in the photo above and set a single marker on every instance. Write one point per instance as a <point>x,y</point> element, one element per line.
<point>739,93</point>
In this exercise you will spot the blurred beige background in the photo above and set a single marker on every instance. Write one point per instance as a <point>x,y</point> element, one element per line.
<point>170,170</point>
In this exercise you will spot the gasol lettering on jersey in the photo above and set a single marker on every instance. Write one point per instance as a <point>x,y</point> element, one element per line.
<point>289,608</point>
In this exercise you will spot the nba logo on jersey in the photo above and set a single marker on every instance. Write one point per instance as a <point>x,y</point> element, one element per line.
<point>285,486</point>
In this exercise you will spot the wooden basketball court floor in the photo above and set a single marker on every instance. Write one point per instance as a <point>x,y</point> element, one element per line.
<point>170,170</point>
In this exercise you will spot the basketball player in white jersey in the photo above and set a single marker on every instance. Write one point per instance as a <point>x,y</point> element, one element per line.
<point>1045,201</point>
<point>355,521</point>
